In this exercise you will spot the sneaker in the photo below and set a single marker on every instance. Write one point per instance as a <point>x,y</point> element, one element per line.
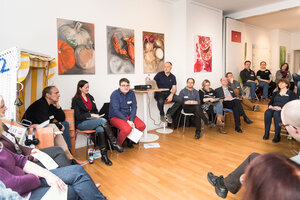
<point>218,183</point>
<point>163,119</point>
<point>169,119</point>
<point>256,108</point>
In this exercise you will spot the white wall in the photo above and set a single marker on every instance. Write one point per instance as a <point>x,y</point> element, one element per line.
<point>31,24</point>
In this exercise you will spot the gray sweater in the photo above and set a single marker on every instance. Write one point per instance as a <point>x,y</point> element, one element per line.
<point>236,85</point>
<point>189,95</point>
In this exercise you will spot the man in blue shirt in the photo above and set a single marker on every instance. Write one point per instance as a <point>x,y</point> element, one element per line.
<point>122,111</point>
<point>165,79</point>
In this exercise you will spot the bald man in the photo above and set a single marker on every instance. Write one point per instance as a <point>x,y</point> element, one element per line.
<point>290,117</point>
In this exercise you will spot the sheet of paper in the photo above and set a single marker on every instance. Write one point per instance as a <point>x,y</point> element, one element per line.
<point>46,160</point>
<point>42,125</point>
<point>135,135</point>
<point>54,193</point>
<point>151,145</point>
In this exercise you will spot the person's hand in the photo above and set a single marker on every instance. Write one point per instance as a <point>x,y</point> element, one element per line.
<point>62,127</point>
<point>131,124</point>
<point>94,115</point>
<point>228,98</point>
<point>53,180</point>
<point>257,83</point>
<point>277,108</point>
<point>270,107</point>
<point>56,105</point>
<point>211,99</point>
<point>269,81</point>
<point>170,98</point>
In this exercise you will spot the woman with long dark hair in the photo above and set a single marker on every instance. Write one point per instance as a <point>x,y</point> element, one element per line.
<point>285,73</point>
<point>272,177</point>
<point>87,118</point>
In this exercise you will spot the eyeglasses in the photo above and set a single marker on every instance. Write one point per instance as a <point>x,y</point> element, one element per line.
<point>125,85</point>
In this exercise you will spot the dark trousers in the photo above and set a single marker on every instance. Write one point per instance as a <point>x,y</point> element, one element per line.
<point>198,113</point>
<point>269,114</point>
<point>161,97</point>
<point>232,181</point>
<point>57,154</point>
<point>237,109</point>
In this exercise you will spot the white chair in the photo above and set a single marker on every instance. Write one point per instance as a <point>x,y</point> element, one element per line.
<point>165,130</point>
<point>184,120</point>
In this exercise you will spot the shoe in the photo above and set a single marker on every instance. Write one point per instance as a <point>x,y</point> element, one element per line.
<point>238,129</point>
<point>220,120</point>
<point>276,138</point>
<point>105,159</point>
<point>210,124</point>
<point>197,134</point>
<point>130,144</point>
<point>266,136</point>
<point>218,183</point>
<point>222,130</point>
<point>113,140</point>
<point>247,120</point>
<point>169,119</point>
<point>163,119</point>
<point>75,161</point>
<point>256,108</point>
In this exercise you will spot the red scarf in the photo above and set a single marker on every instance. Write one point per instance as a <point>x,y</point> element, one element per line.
<point>87,103</point>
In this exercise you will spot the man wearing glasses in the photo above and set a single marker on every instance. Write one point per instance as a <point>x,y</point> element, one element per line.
<point>122,111</point>
<point>165,79</point>
<point>290,117</point>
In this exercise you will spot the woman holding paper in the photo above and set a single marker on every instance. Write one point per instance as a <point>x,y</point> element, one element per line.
<point>87,118</point>
<point>32,181</point>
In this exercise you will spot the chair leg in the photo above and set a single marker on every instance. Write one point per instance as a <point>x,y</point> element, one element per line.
<point>179,121</point>
<point>184,119</point>
<point>87,147</point>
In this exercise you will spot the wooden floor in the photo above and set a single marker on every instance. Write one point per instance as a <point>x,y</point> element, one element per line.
<point>178,169</point>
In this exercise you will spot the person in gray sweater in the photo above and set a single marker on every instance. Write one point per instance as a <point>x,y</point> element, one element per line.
<point>191,99</point>
<point>238,91</point>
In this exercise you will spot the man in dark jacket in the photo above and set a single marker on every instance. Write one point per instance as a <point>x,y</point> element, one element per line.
<point>231,102</point>
<point>48,108</point>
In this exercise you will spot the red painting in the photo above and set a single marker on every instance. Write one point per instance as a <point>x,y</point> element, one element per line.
<point>236,36</point>
<point>203,56</point>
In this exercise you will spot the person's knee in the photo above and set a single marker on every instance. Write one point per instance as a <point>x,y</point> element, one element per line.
<point>141,126</point>
<point>126,130</point>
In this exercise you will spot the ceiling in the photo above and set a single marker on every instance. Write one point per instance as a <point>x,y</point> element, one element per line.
<point>288,19</point>
<point>232,6</point>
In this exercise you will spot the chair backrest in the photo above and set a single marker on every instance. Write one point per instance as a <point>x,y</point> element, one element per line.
<point>188,114</point>
<point>70,119</point>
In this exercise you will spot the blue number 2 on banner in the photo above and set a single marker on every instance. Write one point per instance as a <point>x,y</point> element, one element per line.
<point>2,70</point>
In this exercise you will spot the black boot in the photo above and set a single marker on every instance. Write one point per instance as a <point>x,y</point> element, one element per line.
<point>113,140</point>
<point>103,149</point>
<point>266,136</point>
<point>276,138</point>
<point>197,134</point>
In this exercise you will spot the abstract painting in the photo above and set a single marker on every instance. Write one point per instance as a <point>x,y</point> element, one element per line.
<point>282,56</point>
<point>260,53</point>
<point>153,51</point>
<point>120,50</point>
<point>76,47</point>
<point>236,36</point>
<point>203,54</point>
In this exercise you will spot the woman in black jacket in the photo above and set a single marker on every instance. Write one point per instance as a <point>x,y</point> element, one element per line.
<point>279,99</point>
<point>87,118</point>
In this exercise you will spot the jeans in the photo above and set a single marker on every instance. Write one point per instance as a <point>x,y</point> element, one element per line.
<point>262,84</point>
<point>80,184</point>
<point>218,108</point>
<point>92,124</point>
<point>252,86</point>
<point>66,134</point>
<point>296,78</point>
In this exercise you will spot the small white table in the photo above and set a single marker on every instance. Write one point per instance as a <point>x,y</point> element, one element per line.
<point>148,137</point>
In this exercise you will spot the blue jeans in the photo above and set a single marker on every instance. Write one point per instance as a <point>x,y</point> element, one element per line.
<point>66,134</point>
<point>92,124</point>
<point>296,78</point>
<point>80,184</point>
<point>262,84</point>
<point>218,108</point>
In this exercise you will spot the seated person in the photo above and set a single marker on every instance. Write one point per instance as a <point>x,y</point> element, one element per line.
<point>296,77</point>
<point>122,111</point>
<point>238,91</point>
<point>48,108</point>
<point>231,102</point>
<point>32,181</point>
<point>279,99</point>
<point>290,117</point>
<point>265,75</point>
<point>191,100</point>
<point>284,72</point>
<point>249,79</point>
<point>211,105</point>
<point>11,143</point>
<point>165,79</point>
<point>87,118</point>
<point>272,176</point>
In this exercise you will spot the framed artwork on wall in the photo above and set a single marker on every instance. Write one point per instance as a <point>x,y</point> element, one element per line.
<point>153,52</point>
<point>282,55</point>
<point>203,54</point>
<point>120,50</point>
<point>236,36</point>
<point>76,47</point>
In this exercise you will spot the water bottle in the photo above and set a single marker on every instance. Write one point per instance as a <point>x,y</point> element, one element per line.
<point>91,156</point>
